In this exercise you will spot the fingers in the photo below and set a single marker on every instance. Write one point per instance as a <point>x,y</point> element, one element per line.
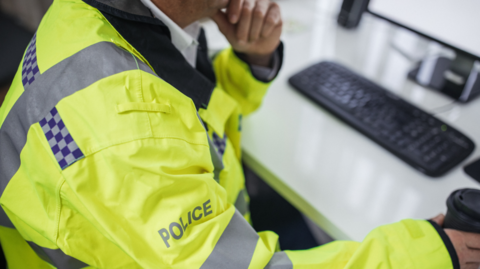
<point>472,240</point>
<point>227,29</point>
<point>439,219</point>
<point>466,247</point>
<point>243,28</point>
<point>472,256</point>
<point>272,21</point>
<point>234,10</point>
<point>258,28</point>
<point>258,17</point>
<point>471,266</point>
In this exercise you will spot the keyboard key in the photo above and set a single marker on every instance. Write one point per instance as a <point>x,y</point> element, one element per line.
<point>415,136</point>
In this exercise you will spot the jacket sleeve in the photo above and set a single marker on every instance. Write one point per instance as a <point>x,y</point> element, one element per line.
<point>406,244</point>
<point>124,207</point>
<point>235,77</point>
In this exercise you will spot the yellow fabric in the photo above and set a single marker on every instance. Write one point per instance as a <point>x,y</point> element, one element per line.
<point>37,217</point>
<point>148,166</point>
<point>57,41</point>
<point>407,244</point>
<point>231,74</point>
<point>146,107</point>
<point>266,247</point>
<point>18,253</point>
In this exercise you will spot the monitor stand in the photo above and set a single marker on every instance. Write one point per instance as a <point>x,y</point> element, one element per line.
<point>458,78</point>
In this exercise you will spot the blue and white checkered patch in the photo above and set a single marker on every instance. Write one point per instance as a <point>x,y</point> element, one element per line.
<point>64,148</point>
<point>30,69</point>
<point>219,143</point>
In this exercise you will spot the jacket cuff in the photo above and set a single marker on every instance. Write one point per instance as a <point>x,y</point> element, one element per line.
<point>448,244</point>
<point>266,74</point>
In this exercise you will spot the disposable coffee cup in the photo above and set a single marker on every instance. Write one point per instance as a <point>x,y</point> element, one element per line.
<point>463,211</point>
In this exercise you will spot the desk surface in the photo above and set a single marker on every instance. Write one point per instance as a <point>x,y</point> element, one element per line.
<point>339,178</point>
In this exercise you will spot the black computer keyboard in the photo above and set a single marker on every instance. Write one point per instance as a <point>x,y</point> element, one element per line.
<point>418,138</point>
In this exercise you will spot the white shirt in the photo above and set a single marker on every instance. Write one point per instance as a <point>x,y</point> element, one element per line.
<point>185,40</point>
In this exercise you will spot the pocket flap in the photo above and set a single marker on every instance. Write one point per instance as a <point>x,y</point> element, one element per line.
<point>219,110</point>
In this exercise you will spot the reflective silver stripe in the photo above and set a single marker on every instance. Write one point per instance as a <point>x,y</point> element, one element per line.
<point>57,258</point>
<point>216,157</point>
<point>241,204</point>
<point>235,248</point>
<point>279,260</point>
<point>73,74</point>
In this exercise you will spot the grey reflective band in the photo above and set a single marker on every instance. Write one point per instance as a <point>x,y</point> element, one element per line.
<point>280,260</point>
<point>235,248</point>
<point>241,203</point>
<point>73,74</point>
<point>57,258</point>
<point>216,157</point>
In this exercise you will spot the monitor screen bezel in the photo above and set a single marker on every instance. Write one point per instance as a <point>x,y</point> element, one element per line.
<point>475,57</point>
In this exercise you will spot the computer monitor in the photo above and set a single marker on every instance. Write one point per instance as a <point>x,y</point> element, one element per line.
<point>452,23</point>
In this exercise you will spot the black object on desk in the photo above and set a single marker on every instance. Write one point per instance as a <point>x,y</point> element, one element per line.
<point>473,170</point>
<point>351,13</point>
<point>463,211</point>
<point>423,141</point>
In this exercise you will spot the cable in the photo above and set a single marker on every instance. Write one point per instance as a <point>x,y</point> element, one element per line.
<point>444,108</point>
<point>406,55</point>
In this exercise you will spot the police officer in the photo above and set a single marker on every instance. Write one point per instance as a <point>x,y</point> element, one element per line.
<point>120,147</point>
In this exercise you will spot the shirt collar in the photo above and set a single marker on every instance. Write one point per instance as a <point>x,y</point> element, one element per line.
<point>181,38</point>
<point>165,59</point>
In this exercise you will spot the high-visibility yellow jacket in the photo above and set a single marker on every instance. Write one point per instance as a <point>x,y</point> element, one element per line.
<point>115,153</point>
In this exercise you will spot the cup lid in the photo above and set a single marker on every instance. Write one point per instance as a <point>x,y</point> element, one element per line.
<point>468,202</point>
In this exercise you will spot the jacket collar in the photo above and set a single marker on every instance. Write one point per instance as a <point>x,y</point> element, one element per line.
<point>153,41</point>
<point>133,10</point>
<point>128,6</point>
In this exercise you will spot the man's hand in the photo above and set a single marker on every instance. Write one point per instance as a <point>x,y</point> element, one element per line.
<point>467,245</point>
<point>252,27</point>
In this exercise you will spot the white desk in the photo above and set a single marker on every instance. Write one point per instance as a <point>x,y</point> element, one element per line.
<point>343,181</point>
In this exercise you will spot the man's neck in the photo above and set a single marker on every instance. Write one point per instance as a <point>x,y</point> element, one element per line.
<point>176,12</point>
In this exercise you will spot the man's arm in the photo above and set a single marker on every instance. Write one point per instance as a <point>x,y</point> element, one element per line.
<point>235,77</point>
<point>246,69</point>
<point>153,203</point>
